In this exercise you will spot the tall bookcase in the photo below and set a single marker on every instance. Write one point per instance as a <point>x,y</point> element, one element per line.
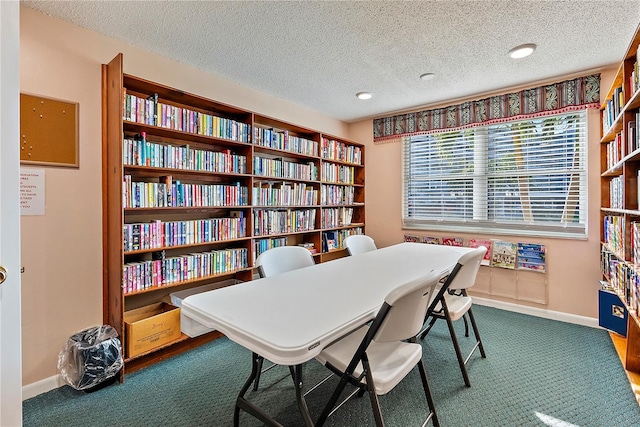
<point>620,208</point>
<point>194,190</point>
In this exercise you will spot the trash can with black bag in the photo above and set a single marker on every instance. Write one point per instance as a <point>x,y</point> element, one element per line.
<point>91,359</point>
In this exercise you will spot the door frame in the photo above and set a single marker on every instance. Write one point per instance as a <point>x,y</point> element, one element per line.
<point>10,305</point>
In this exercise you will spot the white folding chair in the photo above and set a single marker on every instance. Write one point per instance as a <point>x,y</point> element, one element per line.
<point>359,243</point>
<point>452,303</point>
<point>377,357</point>
<point>276,261</point>
<point>282,259</point>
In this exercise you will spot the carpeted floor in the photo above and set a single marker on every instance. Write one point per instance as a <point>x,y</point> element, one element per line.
<point>537,372</point>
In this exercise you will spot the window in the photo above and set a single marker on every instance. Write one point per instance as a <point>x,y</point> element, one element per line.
<point>520,177</point>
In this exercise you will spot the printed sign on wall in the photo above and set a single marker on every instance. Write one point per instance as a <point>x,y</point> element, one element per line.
<point>31,191</point>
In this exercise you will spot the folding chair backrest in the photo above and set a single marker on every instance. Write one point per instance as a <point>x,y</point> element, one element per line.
<point>407,307</point>
<point>469,263</point>
<point>283,259</point>
<point>359,243</point>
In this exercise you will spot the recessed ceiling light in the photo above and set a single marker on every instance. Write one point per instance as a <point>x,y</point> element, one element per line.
<point>364,95</point>
<point>427,76</point>
<point>522,50</point>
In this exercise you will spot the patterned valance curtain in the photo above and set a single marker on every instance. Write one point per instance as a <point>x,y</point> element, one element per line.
<point>575,94</point>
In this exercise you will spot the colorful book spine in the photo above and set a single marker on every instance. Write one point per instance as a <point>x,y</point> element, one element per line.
<point>144,275</point>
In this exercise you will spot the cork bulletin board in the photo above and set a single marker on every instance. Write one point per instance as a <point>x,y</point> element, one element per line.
<point>48,131</point>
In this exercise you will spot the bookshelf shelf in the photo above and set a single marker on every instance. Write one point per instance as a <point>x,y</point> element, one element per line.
<point>620,208</point>
<point>189,181</point>
<point>184,283</point>
<point>344,227</point>
<point>149,171</point>
<point>191,245</point>
<point>173,134</point>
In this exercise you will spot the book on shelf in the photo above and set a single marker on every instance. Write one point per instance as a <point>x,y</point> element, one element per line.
<point>503,254</point>
<point>309,246</point>
<point>431,240</point>
<point>532,256</point>
<point>612,314</point>
<point>632,137</point>
<point>153,116</point>
<point>452,241</point>
<point>634,242</point>
<point>476,243</point>
<point>330,240</point>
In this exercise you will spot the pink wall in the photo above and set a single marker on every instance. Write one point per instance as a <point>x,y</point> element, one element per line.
<point>62,250</point>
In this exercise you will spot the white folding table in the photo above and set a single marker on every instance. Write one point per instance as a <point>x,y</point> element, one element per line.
<point>289,318</point>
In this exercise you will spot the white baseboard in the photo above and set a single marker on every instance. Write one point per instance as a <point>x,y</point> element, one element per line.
<point>539,312</point>
<point>48,384</point>
<point>42,386</point>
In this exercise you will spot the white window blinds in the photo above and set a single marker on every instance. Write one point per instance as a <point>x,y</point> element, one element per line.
<point>520,177</point>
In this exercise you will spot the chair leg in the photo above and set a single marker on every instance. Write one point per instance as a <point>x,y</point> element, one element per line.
<point>375,403</point>
<point>427,392</point>
<point>456,346</point>
<point>332,400</point>
<point>476,333</point>
<point>428,328</point>
<point>466,326</point>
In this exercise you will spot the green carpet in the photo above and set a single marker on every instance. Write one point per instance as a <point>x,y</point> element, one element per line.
<point>538,372</point>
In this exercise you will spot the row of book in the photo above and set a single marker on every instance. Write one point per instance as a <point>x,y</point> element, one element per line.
<point>262,245</point>
<point>616,192</point>
<point>631,135</point>
<point>280,168</point>
<point>337,195</point>
<point>334,239</point>
<point>150,111</point>
<point>267,222</point>
<point>283,140</point>
<point>338,173</point>
<point>634,242</point>
<point>615,151</point>
<point>336,217</point>
<point>283,194</point>
<point>612,109</point>
<point>173,193</point>
<point>500,253</point>
<point>143,275</point>
<point>622,277</point>
<point>164,234</point>
<point>634,79</point>
<point>625,143</point>
<point>336,150</point>
<point>141,152</point>
<point>613,234</point>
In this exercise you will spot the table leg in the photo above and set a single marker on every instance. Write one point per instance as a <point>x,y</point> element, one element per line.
<point>250,408</point>
<point>245,405</point>
<point>255,368</point>
<point>296,375</point>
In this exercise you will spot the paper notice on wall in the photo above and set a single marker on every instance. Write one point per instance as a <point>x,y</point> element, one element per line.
<point>31,191</point>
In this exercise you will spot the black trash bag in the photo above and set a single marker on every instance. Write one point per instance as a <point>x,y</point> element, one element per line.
<point>91,357</point>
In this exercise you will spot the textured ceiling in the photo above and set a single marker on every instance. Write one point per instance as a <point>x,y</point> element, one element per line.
<point>320,53</point>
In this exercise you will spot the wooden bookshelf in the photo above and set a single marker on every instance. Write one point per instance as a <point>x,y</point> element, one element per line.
<point>620,209</point>
<point>194,190</point>
<point>620,344</point>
